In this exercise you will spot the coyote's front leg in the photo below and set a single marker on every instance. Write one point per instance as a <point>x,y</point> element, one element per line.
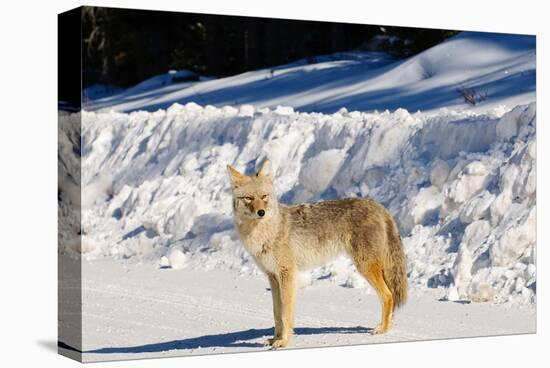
<point>276,296</point>
<point>287,292</point>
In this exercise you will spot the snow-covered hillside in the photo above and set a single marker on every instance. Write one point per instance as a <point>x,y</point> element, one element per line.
<point>500,67</point>
<point>459,179</point>
<point>461,186</point>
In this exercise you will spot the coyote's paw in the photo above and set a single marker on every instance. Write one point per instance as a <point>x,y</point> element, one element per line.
<point>270,341</point>
<point>279,343</point>
<point>380,329</point>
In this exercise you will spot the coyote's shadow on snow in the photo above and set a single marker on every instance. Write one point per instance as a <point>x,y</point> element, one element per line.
<point>231,339</point>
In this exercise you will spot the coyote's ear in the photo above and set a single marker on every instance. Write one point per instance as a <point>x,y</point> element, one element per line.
<point>236,177</point>
<point>265,170</point>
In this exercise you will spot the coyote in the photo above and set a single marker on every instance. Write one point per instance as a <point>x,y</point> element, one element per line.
<point>286,239</point>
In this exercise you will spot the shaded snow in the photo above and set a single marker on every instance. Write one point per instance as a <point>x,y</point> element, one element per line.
<point>500,66</point>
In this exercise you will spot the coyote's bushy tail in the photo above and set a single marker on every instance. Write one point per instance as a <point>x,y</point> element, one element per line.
<point>395,272</point>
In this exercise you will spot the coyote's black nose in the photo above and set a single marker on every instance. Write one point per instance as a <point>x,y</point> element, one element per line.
<point>261,213</point>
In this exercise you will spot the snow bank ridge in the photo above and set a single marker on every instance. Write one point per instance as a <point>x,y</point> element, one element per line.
<point>462,186</point>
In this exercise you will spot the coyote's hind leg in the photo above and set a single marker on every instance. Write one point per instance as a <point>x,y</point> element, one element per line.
<point>375,276</point>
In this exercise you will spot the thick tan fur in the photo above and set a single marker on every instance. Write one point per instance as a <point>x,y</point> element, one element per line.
<point>286,239</point>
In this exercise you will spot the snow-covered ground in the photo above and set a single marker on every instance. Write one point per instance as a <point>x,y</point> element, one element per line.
<point>501,66</point>
<point>134,311</point>
<point>158,236</point>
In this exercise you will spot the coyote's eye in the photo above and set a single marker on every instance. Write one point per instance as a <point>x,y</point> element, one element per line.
<point>247,199</point>
<point>265,197</point>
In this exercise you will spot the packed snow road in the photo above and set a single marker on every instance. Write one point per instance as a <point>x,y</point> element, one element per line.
<point>139,311</point>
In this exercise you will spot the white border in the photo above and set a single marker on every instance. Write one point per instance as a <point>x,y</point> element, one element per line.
<point>28,182</point>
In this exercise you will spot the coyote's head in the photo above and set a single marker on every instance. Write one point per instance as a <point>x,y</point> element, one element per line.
<point>254,196</point>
